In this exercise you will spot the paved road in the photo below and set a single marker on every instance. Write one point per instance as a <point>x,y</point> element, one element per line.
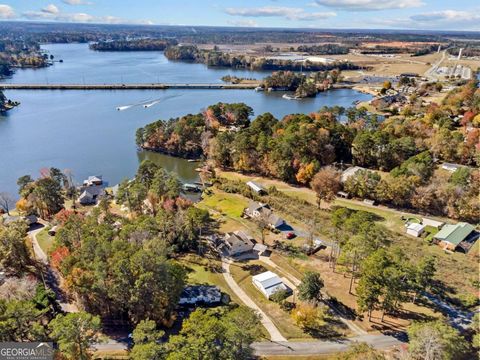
<point>322,347</point>
<point>431,73</point>
<point>275,334</point>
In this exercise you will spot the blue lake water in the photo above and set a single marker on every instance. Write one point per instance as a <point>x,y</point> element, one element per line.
<point>83,131</point>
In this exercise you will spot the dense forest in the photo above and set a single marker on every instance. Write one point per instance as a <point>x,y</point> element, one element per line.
<point>294,149</point>
<point>121,269</point>
<point>15,54</point>
<point>218,58</point>
<point>324,49</point>
<point>132,45</point>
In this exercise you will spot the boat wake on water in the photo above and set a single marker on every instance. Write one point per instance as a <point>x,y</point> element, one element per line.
<point>147,103</point>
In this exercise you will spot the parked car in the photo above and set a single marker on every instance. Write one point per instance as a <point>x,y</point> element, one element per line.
<point>290,235</point>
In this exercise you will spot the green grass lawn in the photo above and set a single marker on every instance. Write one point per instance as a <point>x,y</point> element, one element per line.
<point>231,205</point>
<point>45,241</point>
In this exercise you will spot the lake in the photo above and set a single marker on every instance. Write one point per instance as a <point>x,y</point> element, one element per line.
<point>83,130</point>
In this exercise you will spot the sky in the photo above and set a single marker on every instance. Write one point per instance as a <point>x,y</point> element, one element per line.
<point>365,14</point>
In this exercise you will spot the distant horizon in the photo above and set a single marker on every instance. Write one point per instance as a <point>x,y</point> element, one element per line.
<point>443,15</point>
<point>244,28</point>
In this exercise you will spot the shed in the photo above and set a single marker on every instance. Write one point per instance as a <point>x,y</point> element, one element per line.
<point>268,283</point>
<point>259,189</point>
<point>53,231</point>
<point>415,229</point>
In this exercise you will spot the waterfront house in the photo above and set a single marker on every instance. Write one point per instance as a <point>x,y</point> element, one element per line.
<point>456,237</point>
<point>200,294</point>
<point>91,194</point>
<point>268,283</point>
<point>93,181</point>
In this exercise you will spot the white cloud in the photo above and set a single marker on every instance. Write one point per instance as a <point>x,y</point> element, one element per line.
<point>448,15</point>
<point>6,12</point>
<point>435,20</point>
<point>77,2</point>
<point>51,9</point>
<point>368,5</point>
<point>279,11</point>
<point>243,23</point>
<point>49,14</point>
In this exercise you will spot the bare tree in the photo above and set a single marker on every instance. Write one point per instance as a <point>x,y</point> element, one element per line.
<point>7,202</point>
<point>263,222</point>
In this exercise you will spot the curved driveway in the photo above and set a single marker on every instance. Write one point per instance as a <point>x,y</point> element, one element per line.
<point>275,334</point>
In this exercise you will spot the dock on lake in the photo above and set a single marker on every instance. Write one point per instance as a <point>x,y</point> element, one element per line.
<point>151,86</point>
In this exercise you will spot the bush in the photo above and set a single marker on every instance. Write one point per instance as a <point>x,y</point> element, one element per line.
<point>467,300</point>
<point>279,295</point>
<point>287,306</point>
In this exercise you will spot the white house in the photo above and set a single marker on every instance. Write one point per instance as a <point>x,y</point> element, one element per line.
<point>268,283</point>
<point>237,242</point>
<point>205,294</point>
<point>415,229</point>
<point>433,223</point>
<point>259,189</point>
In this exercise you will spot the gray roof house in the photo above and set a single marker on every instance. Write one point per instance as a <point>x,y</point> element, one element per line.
<point>255,210</point>
<point>237,242</point>
<point>91,194</point>
<point>93,180</point>
<point>204,294</point>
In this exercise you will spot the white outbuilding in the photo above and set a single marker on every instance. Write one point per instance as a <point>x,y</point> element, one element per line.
<point>268,283</point>
<point>415,229</point>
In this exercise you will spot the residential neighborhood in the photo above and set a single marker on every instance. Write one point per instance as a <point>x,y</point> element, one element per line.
<point>257,180</point>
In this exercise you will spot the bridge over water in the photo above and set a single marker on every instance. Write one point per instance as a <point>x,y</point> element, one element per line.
<point>151,86</point>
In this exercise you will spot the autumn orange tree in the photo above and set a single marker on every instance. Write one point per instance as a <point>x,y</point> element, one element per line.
<point>326,184</point>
